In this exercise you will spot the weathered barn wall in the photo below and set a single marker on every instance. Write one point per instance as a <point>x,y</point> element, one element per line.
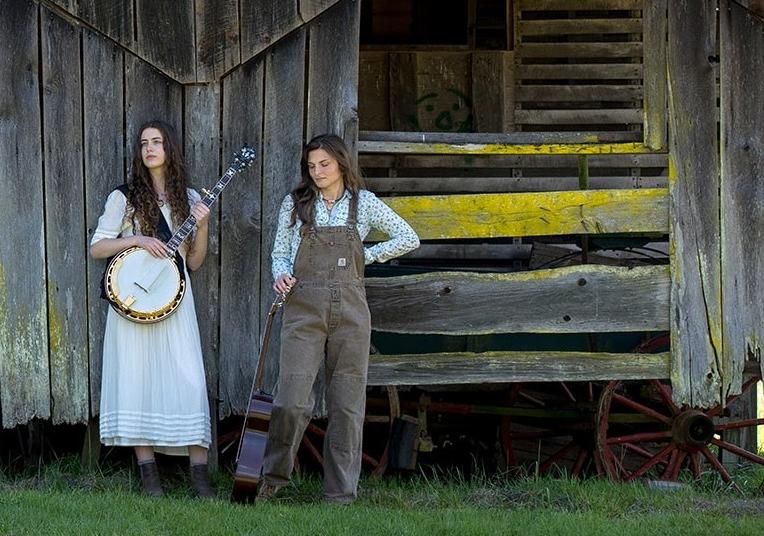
<point>76,83</point>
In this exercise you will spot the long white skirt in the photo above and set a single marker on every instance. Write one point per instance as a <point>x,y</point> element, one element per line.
<point>153,389</point>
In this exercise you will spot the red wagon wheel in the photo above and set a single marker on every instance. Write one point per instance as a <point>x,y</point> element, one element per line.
<point>656,436</point>
<point>552,428</point>
<point>383,408</point>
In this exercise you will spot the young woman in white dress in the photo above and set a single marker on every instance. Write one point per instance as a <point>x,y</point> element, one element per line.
<point>153,389</point>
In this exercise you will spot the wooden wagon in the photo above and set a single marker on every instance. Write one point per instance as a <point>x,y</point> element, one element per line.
<point>596,119</point>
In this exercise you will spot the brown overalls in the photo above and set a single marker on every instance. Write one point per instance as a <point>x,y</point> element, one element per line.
<point>326,318</point>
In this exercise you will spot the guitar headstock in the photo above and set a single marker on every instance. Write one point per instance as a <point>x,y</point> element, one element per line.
<point>243,158</point>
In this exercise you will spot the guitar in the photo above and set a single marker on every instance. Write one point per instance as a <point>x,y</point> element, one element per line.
<point>254,434</point>
<point>147,289</point>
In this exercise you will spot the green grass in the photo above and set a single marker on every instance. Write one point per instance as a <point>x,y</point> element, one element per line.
<point>61,498</point>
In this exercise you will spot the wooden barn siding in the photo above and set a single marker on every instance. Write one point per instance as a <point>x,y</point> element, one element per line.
<point>742,191</point>
<point>194,40</point>
<point>283,128</point>
<point>64,210</point>
<point>24,372</point>
<point>80,98</point>
<point>104,155</point>
<point>696,342</point>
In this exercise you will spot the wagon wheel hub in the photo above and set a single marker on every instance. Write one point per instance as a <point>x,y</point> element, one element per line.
<point>692,429</point>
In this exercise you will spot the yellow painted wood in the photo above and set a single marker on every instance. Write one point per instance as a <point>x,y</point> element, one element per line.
<point>503,149</point>
<point>534,214</point>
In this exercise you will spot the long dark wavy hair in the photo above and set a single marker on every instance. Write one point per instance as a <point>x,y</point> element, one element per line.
<point>305,194</point>
<point>141,196</point>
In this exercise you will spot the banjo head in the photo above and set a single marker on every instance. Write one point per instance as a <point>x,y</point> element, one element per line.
<point>143,288</point>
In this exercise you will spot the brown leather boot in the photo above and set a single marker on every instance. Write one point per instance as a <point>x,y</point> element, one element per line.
<point>200,480</point>
<point>150,479</point>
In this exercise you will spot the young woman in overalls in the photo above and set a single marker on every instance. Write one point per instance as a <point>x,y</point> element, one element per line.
<point>319,256</point>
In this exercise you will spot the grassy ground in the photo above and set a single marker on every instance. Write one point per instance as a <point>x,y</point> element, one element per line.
<point>61,498</point>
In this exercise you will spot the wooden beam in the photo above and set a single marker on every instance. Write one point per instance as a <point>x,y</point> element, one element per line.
<point>579,93</point>
<point>263,22</point>
<point>282,145</point>
<point>655,120</point>
<point>216,31</point>
<point>64,209</point>
<point>505,162</point>
<point>575,299</point>
<point>580,26</point>
<point>24,372</point>
<point>333,71</point>
<point>501,149</point>
<point>580,71</point>
<point>742,196</point>
<point>508,138</point>
<point>602,116</point>
<point>241,234</point>
<point>310,9</point>
<point>584,5</point>
<point>484,185</point>
<point>581,50</point>
<point>202,150</point>
<point>165,37</point>
<point>104,149</point>
<point>696,339</point>
<point>500,367</point>
<point>440,217</point>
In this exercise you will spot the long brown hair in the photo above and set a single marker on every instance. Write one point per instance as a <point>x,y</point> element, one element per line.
<point>305,194</point>
<point>141,195</point>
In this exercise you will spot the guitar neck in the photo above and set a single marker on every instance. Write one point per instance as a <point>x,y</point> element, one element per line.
<point>188,226</point>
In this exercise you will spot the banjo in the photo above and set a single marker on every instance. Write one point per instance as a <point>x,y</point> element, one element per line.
<point>147,289</point>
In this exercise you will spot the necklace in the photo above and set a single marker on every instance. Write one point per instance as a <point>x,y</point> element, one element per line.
<point>161,198</point>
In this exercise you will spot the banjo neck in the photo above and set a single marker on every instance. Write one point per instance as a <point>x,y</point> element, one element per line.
<point>209,198</point>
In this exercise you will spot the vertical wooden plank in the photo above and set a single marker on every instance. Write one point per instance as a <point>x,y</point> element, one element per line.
<point>202,149</point>
<point>149,94</point>
<point>103,120</point>
<point>24,374</point>
<point>240,230</point>
<point>742,190</point>
<point>403,92</point>
<point>64,210</point>
<point>112,17</point>
<point>310,9</point>
<point>165,36</point>
<point>333,73</point>
<point>374,91</point>
<point>282,146</point>
<point>264,22</point>
<point>654,39</point>
<point>488,86</point>
<point>696,343</point>
<point>217,38</point>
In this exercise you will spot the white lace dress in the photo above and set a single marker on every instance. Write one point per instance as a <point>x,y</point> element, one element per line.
<point>153,388</point>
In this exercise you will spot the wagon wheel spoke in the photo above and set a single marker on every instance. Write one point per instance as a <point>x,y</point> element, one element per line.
<point>718,466</point>
<point>640,437</point>
<point>568,392</point>
<point>583,455</point>
<point>664,391</point>
<point>695,465</point>
<point>641,408</point>
<point>651,462</point>
<point>554,458</point>
<point>734,449</point>
<point>642,452</point>
<point>739,424</point>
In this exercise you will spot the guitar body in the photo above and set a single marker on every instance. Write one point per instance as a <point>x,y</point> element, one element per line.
<point>249,461</point>
<point>143,288</point>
